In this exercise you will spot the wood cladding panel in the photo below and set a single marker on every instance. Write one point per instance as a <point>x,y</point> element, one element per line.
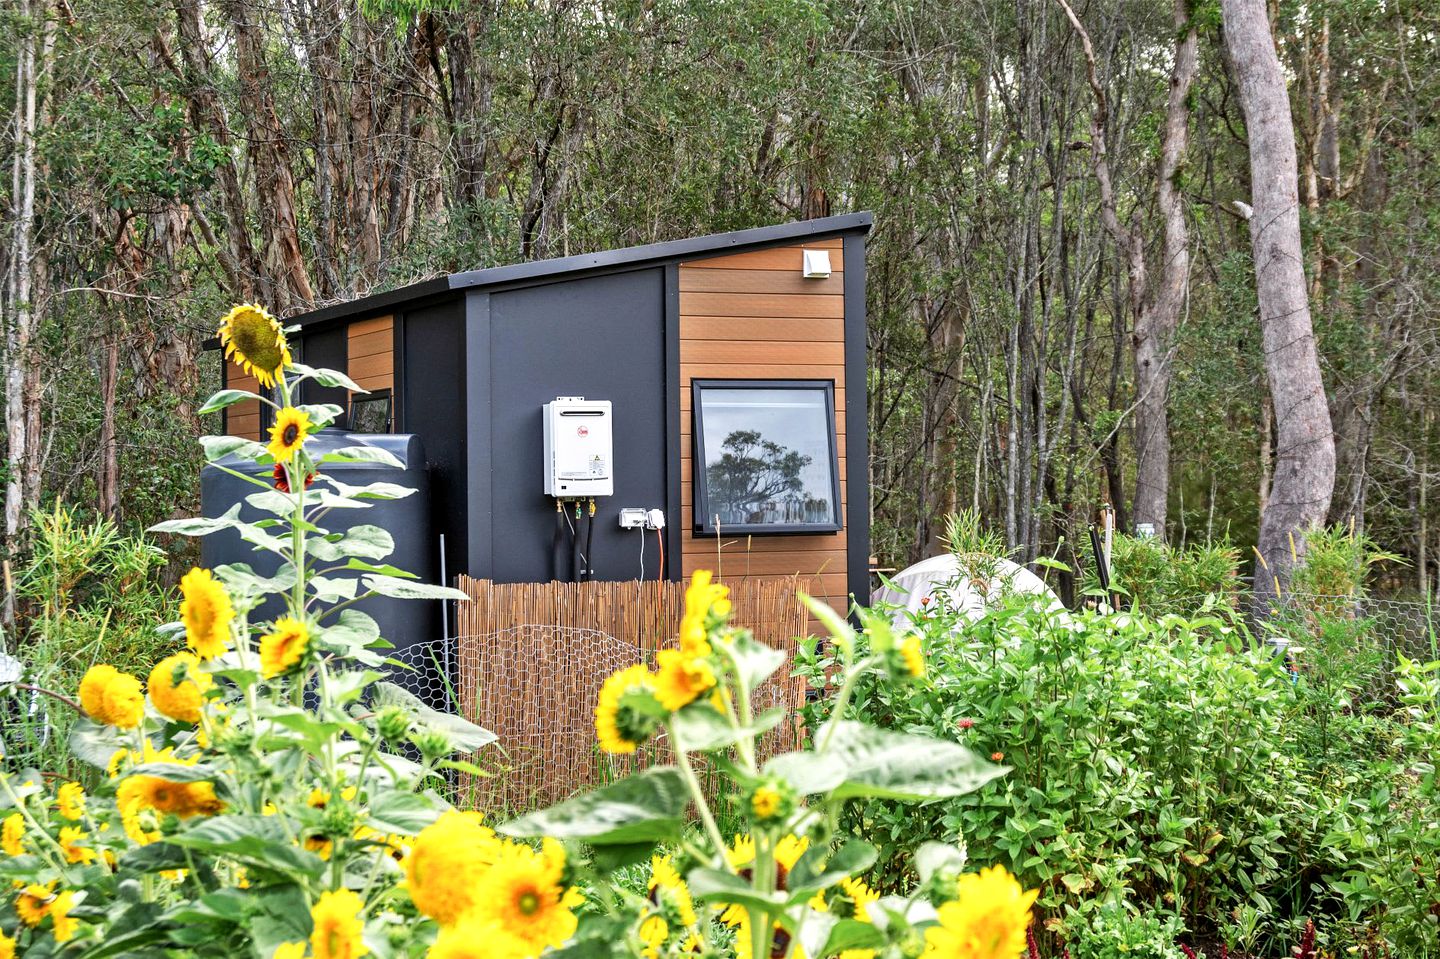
<point>371,352</point>
<point>754,316</point>
<point>242,419</point>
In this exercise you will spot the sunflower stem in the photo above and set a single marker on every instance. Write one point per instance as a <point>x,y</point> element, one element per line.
<point>687,771</point>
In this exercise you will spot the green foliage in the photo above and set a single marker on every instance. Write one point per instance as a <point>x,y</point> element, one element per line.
<point>1116,931</point>
<point>1158,577</point>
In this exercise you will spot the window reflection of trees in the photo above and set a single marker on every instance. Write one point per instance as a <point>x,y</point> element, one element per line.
<point>757,481</point>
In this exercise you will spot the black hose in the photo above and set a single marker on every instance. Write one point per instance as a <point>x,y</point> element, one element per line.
<point>589,542</point>
<point>555,554</point>
<point>577,562</point>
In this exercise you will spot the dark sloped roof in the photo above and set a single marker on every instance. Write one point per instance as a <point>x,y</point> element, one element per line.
<point>585,263</point>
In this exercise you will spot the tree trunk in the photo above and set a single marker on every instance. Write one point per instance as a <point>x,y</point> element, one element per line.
<point>1304,477</point>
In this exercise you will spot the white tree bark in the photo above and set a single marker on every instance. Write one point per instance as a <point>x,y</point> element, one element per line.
<point>1304,474</point>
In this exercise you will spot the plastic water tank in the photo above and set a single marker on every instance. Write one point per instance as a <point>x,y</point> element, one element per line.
<point>407,623</point>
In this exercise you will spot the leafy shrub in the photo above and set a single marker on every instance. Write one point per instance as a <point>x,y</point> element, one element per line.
<point>1115,932</point>
<point>1161,578</point>
<point>1150,763</point>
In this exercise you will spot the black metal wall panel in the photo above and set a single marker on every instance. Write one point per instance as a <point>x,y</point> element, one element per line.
<point>600,337</point>
<point>431,385</point>
<point>327,349</point>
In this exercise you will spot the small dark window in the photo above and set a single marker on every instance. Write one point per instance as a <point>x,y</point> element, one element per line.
<point>765,456</point>
<point>370,412</point>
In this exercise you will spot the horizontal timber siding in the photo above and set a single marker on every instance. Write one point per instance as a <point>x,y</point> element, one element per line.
<point>754,316</point>
<point>242,419</point>
<point>372,353</point>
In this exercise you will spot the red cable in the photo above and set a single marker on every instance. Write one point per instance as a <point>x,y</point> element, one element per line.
<point>660,538</point>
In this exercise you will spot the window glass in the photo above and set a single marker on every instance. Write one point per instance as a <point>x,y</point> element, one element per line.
<point>769,457</point>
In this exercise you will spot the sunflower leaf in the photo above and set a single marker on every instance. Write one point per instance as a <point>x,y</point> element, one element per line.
<point>218,401</point>
<point>404,589</point>
<point>646,807</point>
<point>362,454</point>
<point>219,447</point>
<point>332,379</point>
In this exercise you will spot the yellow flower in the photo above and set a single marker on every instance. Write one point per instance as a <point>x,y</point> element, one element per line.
<point>12,834</point>
<point>138,796</point>
<point>7,946</point>
<point>666,886</point>
<point>338,926</point>
<point>64,927</point>
<point>288,434</point>
<point>987,920</point>
<point>283,647</point>
<point>177,687</point>
<point>446,862</point>
<point>471,938</point>
<point>70,801</point>
<point>289,950</point>
<point>619,725</point>
<point>653,932</point>
<point>741,854</point>
<point>523,895</point>
<point>33,903</point>
<point>111,697</point>
<point>681,679</point>
<point>914,655</point>
<point>704,602</point>
<point>255,341</point>
<point>206,611</point>
<point>765,801</point>
<point>72,841</point>
<point>861,896</point>
<point>320,846</point>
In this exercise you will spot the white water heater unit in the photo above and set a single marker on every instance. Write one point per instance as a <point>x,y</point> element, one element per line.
<point>578,450</point>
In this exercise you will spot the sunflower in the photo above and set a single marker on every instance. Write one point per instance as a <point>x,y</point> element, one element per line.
<point>773,800</point>
<point>338,926</point>
<point>681,679</point>
<point>7,946</point>
<point>283,647</point>
<point>112,698</point>
<point>64,924</point>
<point>12,835</point>
<point>524,895</point>
<point>70,801</point>
<point>288,434</point>
<point>206,611</point>
<point>282,480</point>
<point>851,899</point>
<point>741,855</point>
<point>653,932</point>
<point>143,800</point>
<point>177,687</point>
<point>620,724</point>
<point>72,841</point>
<point>987,920</point>
<point>446,862</point>
<point>255,341</point>
<point>471,938</point>
<point>913,653</point>
<point>33,903</point>
<point>668,890</point>
<point>289,950</point>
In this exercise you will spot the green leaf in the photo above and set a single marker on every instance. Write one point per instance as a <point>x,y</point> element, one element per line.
<point>607,859</point>
<point>95,744</point>
<point>328,378</point>
<point>218,401</point>
<point>370,490</point>
<point>177,772</point>
<point>864,761</point>
<point>365,541</point>
<point>256,839</point>
<point>840,631</point>
<point>466,736</point>
<point>850,934</point>
<point>200,525</point>
<point>716,885</point>
<point>273,502</point>
<point>754,661</point>
<point>699,727</point>
<point>362,454</point>
<point>402,589</point>
<point>401,812</point>
<point>219,447</point>
<point>647,807</point>
<point>818,869</point>
<point>332,589</point>
<point>354,628</point>
<point>384,570</point>
<point>938,857</point>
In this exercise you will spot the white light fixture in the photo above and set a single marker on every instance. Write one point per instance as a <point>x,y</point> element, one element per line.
<point>817,264</point>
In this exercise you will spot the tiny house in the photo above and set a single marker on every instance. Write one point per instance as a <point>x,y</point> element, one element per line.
<point>658,409</point>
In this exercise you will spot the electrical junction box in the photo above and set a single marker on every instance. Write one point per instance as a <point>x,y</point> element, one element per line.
<point>578,449</point>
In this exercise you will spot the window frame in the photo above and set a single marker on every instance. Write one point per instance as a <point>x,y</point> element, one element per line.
<point>384,393</point>
<point>702,524</point>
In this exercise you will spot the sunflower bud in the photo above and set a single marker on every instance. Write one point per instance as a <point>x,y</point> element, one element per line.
<point>771,802</point>
<point>392,724</point>
<point>432,743</point>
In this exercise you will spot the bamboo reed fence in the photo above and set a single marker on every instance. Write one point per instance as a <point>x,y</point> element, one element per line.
<point>531,658</point>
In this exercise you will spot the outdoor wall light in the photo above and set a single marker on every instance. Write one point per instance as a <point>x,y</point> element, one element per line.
<point>817,264</point>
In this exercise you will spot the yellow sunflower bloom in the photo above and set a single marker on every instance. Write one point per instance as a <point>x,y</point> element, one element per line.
<point>446,862</point>
<point>12,835</point>
<point>681,679</point>
<point>338,926</point>
<point>255,341</point>
<point>619,725</point>
<point>741,855</point>
<point>765,802</point>
<point>64,925</point>
<point>206,611</point>
<point>288,434</point>
<point>471,938</point>
<point>987,920</point>
<point>33,903</point>
<point>112,698</point>
<point>523,895</point>
<point>177,687</point>
<point>666,886</point>
<point>913,654</point>
<point>7,946</point>
<point>72,840</point>
<point>653,932</point>
<point>70,801</point>
<point>283,647</point>
<point>289,950</point>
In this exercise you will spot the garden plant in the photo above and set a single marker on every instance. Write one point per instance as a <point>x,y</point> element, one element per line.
<point>266,789</point>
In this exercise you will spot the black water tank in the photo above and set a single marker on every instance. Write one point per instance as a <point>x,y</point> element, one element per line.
<point>406,623</point>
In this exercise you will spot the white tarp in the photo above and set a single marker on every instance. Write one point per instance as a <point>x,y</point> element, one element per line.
<point>967,586</point>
